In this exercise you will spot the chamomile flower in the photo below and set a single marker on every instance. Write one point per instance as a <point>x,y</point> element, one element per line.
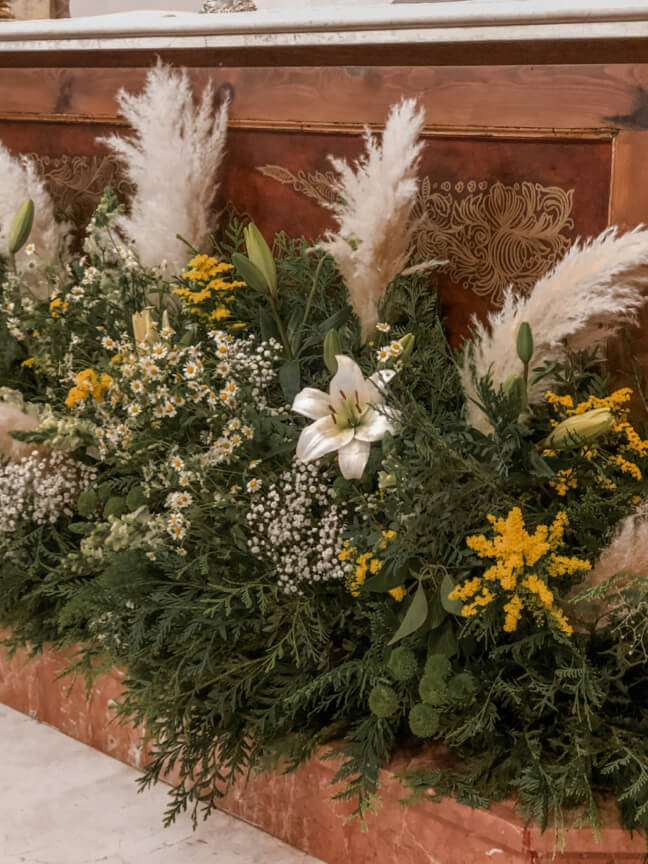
<point>159,351</point>
<point>184,479</point>
<point>178,532</point>
<point>179,500</point>
<point>383,355</point>
<point>218,497</point>
<point>254,463</point>
<point>170,409</point>
<point>137,386</point>
<point>158,411</point>
<point>30,249</point>
<point>254,485</point>
<point>248,432</point>
<point>109,344</point>
<point>234,424</point>
<point>133,409</point>
<point>177,463</point>
<point>383,327</point>
<point>395,348</point>
<point>223,368</point>
<point>190,370</point>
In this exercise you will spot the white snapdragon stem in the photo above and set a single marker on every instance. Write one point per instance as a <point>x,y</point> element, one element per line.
<point>348,418</point>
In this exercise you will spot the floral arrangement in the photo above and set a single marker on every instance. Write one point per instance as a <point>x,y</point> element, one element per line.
<point>262,483</point>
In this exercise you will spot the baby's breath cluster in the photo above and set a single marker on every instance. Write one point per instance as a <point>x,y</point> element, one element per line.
<point>297,526</point>
<point>41,489</point>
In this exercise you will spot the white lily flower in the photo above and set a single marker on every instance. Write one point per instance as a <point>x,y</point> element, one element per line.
<point>347,418</point>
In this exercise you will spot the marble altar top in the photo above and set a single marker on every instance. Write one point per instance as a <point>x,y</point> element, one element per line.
<point>434,23</point>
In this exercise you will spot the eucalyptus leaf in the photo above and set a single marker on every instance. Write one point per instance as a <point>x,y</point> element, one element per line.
<point>454,607</point>
<point>414,617</point>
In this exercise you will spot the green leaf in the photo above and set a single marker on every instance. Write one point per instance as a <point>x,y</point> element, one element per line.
<point>454,607</point>
<point>335,321</point>
<point>443,640</point>
<point>250,273</point>
<point>388,578</point>
<point>290,379</point>
<point>414,617</point>
<point>268,326</point>
<point>82,528</point>
<point>540,465</point>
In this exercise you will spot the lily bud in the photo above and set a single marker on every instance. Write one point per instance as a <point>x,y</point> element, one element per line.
<point>143,326</point>
<point>515,388</point>
<point>331,348</point>
<point>407,344</point>
<point>525,343</point>
<point>581,429</point>
<point>260,255</point>
<point>21,227</point>
<point>165,320</point>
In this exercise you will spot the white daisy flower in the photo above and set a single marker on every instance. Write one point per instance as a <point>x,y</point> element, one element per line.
<point>254,485</point>
<point>383,327</point>
<point>30,249</point>
<point>108,343</point>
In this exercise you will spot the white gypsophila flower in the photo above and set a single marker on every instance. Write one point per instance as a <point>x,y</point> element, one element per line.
<point>348,418</point>
<point>41,489</point>
<point>297,527</point>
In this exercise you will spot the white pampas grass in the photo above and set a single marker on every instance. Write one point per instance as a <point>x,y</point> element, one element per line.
<point>12,419</point>
<point>19,180</point>
<point>583,301</point>
<point>173,161</point>
<point>627,553</point>
<point>375,198</point>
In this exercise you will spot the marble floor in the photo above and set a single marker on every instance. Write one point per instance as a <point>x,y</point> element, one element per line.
<point>64,803</point>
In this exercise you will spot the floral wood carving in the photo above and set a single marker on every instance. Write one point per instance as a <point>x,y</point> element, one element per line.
<point>492,234</point>
<point>76,183</point>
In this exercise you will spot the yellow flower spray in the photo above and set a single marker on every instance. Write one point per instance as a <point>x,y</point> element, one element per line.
<point>524,563</point>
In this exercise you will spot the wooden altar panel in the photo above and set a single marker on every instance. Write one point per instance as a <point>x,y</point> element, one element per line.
<point>501,209</point>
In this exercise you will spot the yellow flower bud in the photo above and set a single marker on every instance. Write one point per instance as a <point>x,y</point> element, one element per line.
<point>581,429</point>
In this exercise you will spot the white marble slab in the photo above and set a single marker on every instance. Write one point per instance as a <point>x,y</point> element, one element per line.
<point>430,23</point>
<point>65,803</point>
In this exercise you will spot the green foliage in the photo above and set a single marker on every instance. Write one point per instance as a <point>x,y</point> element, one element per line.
<point>256,604</point>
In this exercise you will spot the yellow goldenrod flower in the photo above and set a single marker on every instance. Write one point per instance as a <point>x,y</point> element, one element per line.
<point>523,563</point>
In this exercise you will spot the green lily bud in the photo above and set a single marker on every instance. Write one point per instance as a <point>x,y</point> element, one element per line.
<point>407,344</point>
<point>581,429</point>
<point>515,388</point>
<point>21,227</point>
<point>260,255</point>
<point>525,343</point>
<point>332,347</point>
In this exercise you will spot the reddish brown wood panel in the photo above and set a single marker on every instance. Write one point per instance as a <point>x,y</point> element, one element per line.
<point>550,97</point>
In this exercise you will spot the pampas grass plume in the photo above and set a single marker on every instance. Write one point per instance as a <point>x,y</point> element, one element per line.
<point>373,210</point>
<point>580,303</point>
<point>12,419</point>
<point>173,161</point>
